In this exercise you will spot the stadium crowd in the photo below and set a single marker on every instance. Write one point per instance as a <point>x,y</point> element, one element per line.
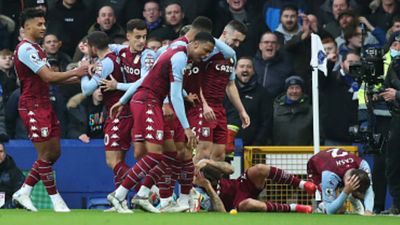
<point>263,49</point>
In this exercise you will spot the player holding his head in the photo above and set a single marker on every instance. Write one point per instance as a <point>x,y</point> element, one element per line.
<point>36,110</point>
<point>336,168</point>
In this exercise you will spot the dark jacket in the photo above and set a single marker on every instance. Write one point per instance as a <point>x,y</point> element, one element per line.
<point>271,74</point>
<point>338,109</point>
<point>293,123</point>
<point>70,25</point>
<point>253,22</point>
<point>8,83</point>
<point>86,118</point>
<point>258,105</point>
<point>11,179</point>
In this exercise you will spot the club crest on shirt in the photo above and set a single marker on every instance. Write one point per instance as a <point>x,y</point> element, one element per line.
<point>34,58</point>
<point>205,131</point>
<point>159,135</point>
<point>98,69</point>
<point>329,192</point>
<point>44,131</point>
<point>149,61</point>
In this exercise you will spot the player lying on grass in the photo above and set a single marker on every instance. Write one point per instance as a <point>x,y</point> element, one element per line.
<point>241,194</point>
<point>334,169</point>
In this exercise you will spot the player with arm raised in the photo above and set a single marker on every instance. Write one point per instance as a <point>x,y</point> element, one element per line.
<point>335,168</point>
<point>36,110</point>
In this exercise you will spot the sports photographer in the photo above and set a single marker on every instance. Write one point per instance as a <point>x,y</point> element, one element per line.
<point>391,95</point>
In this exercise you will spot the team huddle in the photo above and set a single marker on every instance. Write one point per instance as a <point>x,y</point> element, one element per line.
<point>175,98</point>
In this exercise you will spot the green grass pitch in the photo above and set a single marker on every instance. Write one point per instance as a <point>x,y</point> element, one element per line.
<point>96,217</point>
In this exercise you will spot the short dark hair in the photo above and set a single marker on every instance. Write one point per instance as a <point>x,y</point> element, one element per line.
<point>202,24</point>
<point>30,13</point>
<point>204,37</point>
<point>238,26</point>
<point>351,30</point>
<point>212,173</point>
<point>137,24</point>
<point>168,3</point>
<point>364,179</point>
<point>351,51</point>
<point>290,7</point>
<point>98,39</point>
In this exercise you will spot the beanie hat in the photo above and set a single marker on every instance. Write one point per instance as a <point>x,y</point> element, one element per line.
<point>294,80</point>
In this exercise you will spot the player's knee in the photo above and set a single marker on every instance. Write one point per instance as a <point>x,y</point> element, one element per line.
<point>52,156</point>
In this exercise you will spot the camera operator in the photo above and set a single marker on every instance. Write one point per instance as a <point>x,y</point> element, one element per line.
<point>378,116</point>
<point>392,96</point>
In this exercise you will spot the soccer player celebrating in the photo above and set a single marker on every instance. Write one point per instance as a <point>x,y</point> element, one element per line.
<point>217,80</point>
<point>115,78</point>
<point>35,108</point>
<point>241,194</point>
<point>165,77</point>
<point>336,168</point>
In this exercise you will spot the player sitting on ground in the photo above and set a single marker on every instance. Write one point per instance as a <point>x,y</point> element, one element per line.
<point>241,194</point>
<point>335,168</point>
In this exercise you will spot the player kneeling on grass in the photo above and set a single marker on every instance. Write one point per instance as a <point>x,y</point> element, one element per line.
<point>241,194</point>
<point>334,169</point>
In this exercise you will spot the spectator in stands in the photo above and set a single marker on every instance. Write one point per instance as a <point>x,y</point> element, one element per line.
<point>174,19</point>
<point>289,24</point>
<point>124,9</point>
<point>293,118</point>
<point>87,118</point>
<point>7,28</point>
<point>52,45</point>
<point>11,178</point>
<point>15,127</point>
<point>395,26</point>
<point>299,48</point>
<point>8,79</point>
<point>383,15</point>
<point>331,49</point>
<point>258,105</point>
<point>242,193</point>
<point>244,12</point>
<point>152,15</point>
<point>106,22</point>
<point>271,64</point>
<point>330,10</point>
<point>336,26</point>
<point>273,10</point>
<point>194,9</point>
<point>38,4</point>
<point>353,37</point>
<point>3,129</point>
<point>69,20</point>
<point>339,103</point>
<point>153,43</point>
